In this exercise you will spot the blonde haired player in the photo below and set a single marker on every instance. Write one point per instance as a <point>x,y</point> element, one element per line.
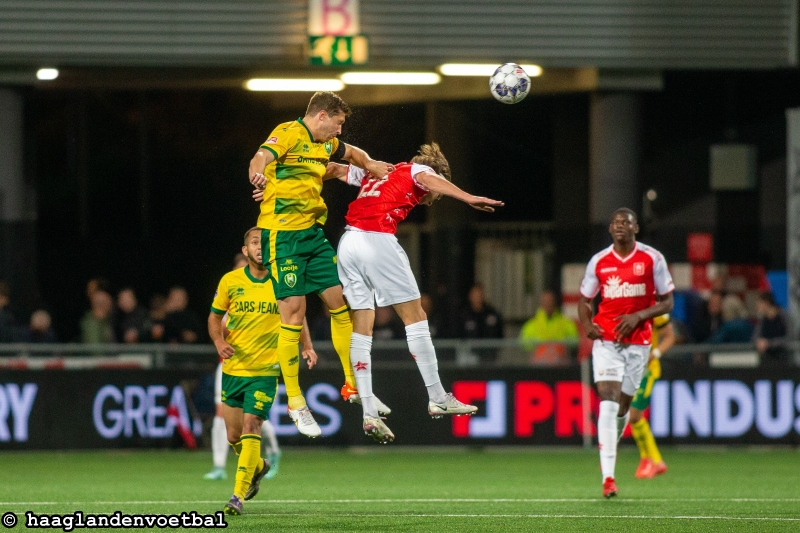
<point>651,463</point>
<point>250,366</point>
<point>289,167</point>
<point>375,269</point>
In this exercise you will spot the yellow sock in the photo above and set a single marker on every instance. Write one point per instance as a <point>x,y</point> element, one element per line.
<point>650,442</point>
<point>237,447</point>
<point>341,331</point>
<point>249,461</point>
<point>638,436</point>
<point>288,355</point>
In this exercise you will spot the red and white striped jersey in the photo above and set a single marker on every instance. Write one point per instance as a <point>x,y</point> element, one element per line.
<point>382,203</point>
<point>627,285</point>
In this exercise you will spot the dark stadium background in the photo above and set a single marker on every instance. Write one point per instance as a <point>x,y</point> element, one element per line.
<point>174,212</point>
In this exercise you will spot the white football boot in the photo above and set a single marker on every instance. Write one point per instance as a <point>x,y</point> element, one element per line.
<point>450,406</point>
<point>305,422</point>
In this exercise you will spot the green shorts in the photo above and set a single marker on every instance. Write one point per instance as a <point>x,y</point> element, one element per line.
<point>254,395</point>
<point>641,400</point>
<point>300,262</point>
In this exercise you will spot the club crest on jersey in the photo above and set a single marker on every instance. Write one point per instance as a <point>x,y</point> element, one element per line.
<point>328,147</point>
<point>615,288</point>
<point>290,280</point>
<point>638,269</point>
<point>305,148</point>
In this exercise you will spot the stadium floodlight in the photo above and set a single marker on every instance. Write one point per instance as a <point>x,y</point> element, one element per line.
<point>47,74</point>
<point>390,78</point>
<point>483,69</point>
<point>294,84</point>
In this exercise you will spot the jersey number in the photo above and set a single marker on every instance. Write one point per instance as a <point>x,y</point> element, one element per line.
<point>371,188</point>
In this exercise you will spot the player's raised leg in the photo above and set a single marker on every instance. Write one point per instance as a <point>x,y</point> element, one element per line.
<point>361,360</point>
<point>420,344</point>
<point>341,323</point>
<point>292,310</point>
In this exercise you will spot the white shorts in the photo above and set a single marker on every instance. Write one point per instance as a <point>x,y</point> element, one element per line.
<point>614,362</point>
<point>373,268</point>
<point>218,385</point>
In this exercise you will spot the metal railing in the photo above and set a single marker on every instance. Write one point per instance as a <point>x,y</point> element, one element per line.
<point>452,353</point>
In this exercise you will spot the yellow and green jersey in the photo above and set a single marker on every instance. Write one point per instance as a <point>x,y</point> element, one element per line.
<point>253,323</point>
<point>292,199</point>
<point>658,323</point>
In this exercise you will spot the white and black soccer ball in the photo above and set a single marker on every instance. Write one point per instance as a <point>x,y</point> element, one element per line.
<point>509,83</point>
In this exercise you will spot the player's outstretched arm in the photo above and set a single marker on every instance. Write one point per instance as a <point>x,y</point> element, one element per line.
<point>435,183</point>
<point>359,158</point>
<point>224,349</point>
<point>308,352</point>
<point>257,165</point>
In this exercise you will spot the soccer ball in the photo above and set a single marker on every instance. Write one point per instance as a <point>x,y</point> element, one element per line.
<point>509,83</point>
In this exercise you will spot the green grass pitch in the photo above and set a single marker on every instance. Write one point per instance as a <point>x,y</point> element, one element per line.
<point>424,489</point>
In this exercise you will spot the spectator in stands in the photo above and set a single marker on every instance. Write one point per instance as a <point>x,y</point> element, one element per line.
<point>131,323</point>
<point>770,331</point>
<point>479,320</point>
<point>735,325</point>
<point>97,284</point>
<point>157,315</point>
<point>40,329</point>
<point>8,325</point>
<point>549,336</point>
<point>708,318</point>
<point>96,324</point>
<point>181,324</point>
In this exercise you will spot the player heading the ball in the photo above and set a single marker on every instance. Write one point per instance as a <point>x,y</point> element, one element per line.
<point>289,168</point>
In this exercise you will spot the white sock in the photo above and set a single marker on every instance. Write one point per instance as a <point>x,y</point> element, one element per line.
<point>421,347</point>
<point>361,359</point>
<point>219,442</point>
<point>268,438</point>
<point>622,421</point>
<point>607,437</point>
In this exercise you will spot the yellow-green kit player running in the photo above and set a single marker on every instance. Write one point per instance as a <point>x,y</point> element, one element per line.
<point>290,167</point>
<point>250,367</point>
<point>651,463</point>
